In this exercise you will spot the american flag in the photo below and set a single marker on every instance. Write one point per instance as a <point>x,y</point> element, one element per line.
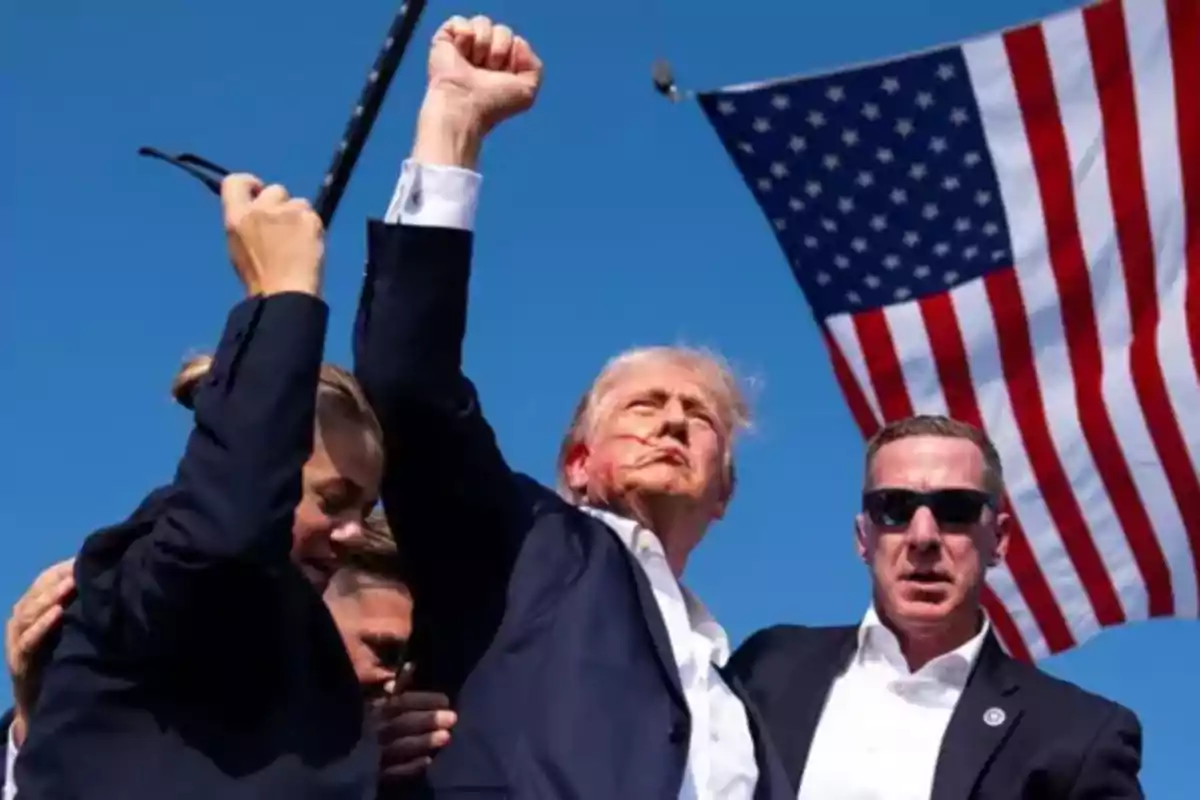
<point>1008,231</point>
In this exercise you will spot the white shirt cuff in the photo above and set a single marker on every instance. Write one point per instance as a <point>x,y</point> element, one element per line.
<point>431,196</point>
<point>10,761</point>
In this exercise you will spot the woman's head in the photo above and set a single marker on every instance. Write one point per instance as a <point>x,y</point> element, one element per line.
<point>341,477</point>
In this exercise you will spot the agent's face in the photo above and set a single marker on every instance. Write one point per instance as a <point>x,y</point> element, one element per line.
<point>374,617</point>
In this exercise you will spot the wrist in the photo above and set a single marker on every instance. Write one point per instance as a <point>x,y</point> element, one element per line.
<point>311,286</point>
<point>449,131</point>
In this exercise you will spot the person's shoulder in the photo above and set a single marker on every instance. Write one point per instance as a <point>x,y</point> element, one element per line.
<point>787,642</point>
<point>1063,699</point>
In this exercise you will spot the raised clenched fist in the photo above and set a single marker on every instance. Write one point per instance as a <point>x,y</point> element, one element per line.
<point>276,242</point>
<point>493,73</point>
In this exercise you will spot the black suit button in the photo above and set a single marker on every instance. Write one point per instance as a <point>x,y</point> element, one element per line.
<point>679,733</point>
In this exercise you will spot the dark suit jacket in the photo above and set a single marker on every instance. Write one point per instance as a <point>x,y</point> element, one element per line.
<point>6,721</point>
<point>1056,740</point>
<point>531,614</point>
<point>196,661</point>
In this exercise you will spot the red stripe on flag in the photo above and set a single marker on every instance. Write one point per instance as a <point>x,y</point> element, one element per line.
<point>1105,25</point>
<point>1183,19</point>
<point>1006,629</point>
<point>860,409</point>
<point>954,374</point>
<point>1029,61</point>
<point>1016,361</point>
<point>883,364</point>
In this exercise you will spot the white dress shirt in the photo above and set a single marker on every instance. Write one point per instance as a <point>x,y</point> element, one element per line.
<point>881,731</point>
<point>721,760</point>
<point>10,760</point>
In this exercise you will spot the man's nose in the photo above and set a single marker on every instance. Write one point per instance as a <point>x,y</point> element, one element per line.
<point>923,532</point>
<point>675,421</point>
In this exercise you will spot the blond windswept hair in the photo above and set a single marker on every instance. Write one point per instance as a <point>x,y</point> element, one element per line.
<point>714,372</point>
<point>340,400</point>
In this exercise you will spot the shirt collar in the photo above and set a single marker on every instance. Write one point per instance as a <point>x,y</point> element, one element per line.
<point>877,642</point>
<point>645,546</point>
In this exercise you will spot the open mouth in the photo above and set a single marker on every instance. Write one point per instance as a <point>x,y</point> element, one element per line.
<point>928,578</point>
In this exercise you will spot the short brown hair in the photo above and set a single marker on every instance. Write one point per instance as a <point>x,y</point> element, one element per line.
<point>938,425</point>
<point>375,553</point>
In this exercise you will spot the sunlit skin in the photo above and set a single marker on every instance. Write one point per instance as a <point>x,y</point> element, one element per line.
<point>341,484</point>
<point>926,581</point>
<point>656,452</point>
<point>374,617</point>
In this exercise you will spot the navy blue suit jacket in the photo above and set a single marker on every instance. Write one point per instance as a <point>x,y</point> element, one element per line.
<point>531,614</point>
<point>196,661</point>
<point>1055,741</point>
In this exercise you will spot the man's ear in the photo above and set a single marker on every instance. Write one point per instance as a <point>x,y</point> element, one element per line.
<point>1004,524</point>
<point>575,468</point>
<point>862,542</point>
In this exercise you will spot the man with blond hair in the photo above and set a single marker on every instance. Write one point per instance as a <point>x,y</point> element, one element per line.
<point>578,664</point>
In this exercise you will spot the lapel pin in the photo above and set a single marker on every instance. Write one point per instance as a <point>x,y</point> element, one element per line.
<point>994,717</point>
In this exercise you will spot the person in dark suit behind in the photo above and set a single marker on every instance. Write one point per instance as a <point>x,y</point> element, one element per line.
<point>919,700</point>
<point>197,659</point>
<point>579,665</point>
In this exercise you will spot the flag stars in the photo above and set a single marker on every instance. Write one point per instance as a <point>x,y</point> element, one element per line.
<point>911,238</point>
<point>890,84</point>
<point>811,242</point>
<point>929,211</point>
<point>924,100</point>
<point>852,297</point>
<point>865,179</point>
<point>779,169</point>
<point>795,204</point>
<point>878,223</point>
<point>831,162</point>
<point>816,119</point>
<point>950,183</point>
<point>946,71</point>
<point>972,158</point>
<point>941,249</point>
<point>982,198</point>
<point>905,127</point>
<point>726,107</point>
<point>871,281</point>
<point>970,252</point>
<point>829,224</point>
<point>841,262</point>
<point>898,196</point>
<point>797,144</point>
<point>780,224</point>
<point>781,102</point>
<point>849,137</point>
<point>891,261</point>
<point>835,94</point>
<point>845,204</point>
<point>761,125</point>
<point>885,155</point>
<point>902,293</point>
<point>764,184</point>
<point>990,229</point>
<point>950,277</point>
<point>746,148</point>
<point>823,278</point>
<point>937,144</point>
<point>870,111</point>
<point>858,244</point>
<point>962,224</point>
<point>997,255</point>
<point>813,188</point>
<point>921,272</point>
<point>918,171</point>
<point>959,116</point>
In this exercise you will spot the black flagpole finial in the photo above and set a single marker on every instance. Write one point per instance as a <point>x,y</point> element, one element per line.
<point>664,79</point>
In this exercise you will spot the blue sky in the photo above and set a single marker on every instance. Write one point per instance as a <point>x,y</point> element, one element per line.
<point>609,218</point>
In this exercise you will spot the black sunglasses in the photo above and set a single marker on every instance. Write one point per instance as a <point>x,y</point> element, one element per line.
<point>193,165</point>
<point>952,508</point>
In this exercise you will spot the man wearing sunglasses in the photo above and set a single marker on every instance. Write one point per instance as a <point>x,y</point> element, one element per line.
<point>919,700</point>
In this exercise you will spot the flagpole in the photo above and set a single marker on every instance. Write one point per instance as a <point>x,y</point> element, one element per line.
<point>362,119</point>
<point>664,82</point>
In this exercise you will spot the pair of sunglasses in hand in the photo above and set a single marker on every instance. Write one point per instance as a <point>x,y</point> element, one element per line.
<point>201,169</point>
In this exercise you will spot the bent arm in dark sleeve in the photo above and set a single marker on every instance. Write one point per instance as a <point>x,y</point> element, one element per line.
<point>231,503</point>
<point>447,490</point>
<point>1111,765</point>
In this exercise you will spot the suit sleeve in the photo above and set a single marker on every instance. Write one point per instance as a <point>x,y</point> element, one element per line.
<point>10,756</point>
<point>447,489</point>
<point>1111,765</point>
<point>231,503</point>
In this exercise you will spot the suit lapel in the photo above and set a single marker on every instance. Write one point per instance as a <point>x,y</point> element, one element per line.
<point>804,699</point>
<point>986,714</point>
<point>772,777</point>
<point>657,628</point>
